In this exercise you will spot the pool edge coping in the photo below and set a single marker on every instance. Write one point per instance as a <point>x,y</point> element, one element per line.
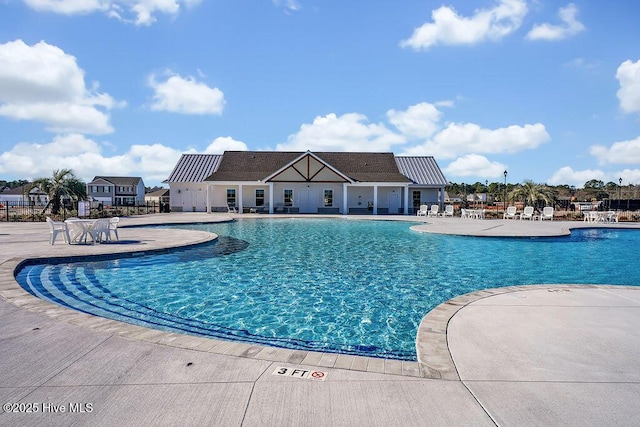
<point>432,347</point>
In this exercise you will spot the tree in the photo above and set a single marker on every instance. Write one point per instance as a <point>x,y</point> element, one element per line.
<point>63,184</point>
<point>531,193</point>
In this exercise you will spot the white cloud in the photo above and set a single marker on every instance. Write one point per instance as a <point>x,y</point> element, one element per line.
<point>143,11</point>
<point>225,143</point>
<point>570,26</point>
<point>628,75</point>
<point>462,138</point>
<point>186,95</point>
<point>419,121</point>
<point>349,132</point>
<point>449,28</point>
<point>623,152</point>
<point>567,175</point>
<point>45,84</point>
<point>85,157</point>
<point>288,5</point>
<point>474,165</point>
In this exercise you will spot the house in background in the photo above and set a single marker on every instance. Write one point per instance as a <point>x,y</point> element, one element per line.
<point>17,197</point>
<point>305,182</point>
<point>116,190</point>
<point>158,196</point>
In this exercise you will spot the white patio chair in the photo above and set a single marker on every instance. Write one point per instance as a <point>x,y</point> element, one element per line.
<point>527,213</point>
<point>231,208</point>
<point>56,228</point>
<point>423,210</point>
<point>99,230</point>
<point>547,213</point>
<point>510,213</point>
<point>433,211</point>
<point>113,227</point>
<point>448,211</point>
<point>464,213</point>
<point>612,216</point>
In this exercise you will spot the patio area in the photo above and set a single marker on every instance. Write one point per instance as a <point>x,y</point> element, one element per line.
<point>543,355</point>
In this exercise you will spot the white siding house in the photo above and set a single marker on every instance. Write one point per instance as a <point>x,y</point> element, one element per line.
<point>304,182</point>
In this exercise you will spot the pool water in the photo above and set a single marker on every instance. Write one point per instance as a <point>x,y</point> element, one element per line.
<point>335,285</point>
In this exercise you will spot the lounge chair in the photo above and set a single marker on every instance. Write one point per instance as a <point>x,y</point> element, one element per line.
<point>547,213</point>
<point>423,210</point>
<point>56,228</point>
<point>231,208</point>
<point>510,213</point>
<point>528,213</point>
<point>433,211</point>
<point>448,211</point>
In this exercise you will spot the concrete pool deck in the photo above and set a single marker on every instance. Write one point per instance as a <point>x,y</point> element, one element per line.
<point>535,355</point>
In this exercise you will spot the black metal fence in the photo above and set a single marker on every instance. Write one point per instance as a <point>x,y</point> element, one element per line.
<point>25,211</point>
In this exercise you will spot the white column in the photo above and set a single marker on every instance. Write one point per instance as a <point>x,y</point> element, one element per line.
<point>271,197</point>
<point>375,200</point>
<point>239,204</point>
<point>208,201</point>
<point>345,207</point>
<point>406,199</point>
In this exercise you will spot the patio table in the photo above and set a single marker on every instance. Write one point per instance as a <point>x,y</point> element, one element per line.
<point>79,228</point>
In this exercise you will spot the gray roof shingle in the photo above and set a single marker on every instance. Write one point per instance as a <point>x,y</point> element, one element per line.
<point>257,165</point>
<point>119,180</point>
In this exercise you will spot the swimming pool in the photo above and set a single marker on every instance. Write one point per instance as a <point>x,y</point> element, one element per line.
<point>335,285</point>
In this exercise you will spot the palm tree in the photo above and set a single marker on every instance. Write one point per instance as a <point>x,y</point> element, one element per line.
<point>531,193</point>
<point>62,184</point>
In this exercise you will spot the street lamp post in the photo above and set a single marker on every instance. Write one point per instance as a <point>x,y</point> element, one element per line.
<point>619,192</point>
<point>504,202</point>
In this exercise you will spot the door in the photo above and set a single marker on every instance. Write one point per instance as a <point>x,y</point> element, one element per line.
<point>394,203</point>
<point>308,201</point>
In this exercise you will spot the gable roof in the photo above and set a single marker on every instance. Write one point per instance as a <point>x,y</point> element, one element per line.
<point>421,170</point>
<point>20,191</point>
<point>119,180</point>
<point>194,167</point>
<point>162,192</point>
<point>308,167</point>
<point>265,165</point>
<point>261,165</point>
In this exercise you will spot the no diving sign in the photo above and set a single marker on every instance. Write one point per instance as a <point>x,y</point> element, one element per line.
<point>300,373</point>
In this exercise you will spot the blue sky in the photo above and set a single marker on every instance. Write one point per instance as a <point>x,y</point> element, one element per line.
<point>548,90</point>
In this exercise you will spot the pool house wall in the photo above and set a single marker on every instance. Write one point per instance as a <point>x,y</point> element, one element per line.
<point>309,198</point>
<point>372,183</point>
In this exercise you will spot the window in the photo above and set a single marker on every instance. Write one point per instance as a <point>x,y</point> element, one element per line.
<point>105,189</point>
<point>288,197</point>
<point>328,198</point>
<point>259,197</point>
<point>231,196</point>
<point>416,198</point>
<point>94,188</point>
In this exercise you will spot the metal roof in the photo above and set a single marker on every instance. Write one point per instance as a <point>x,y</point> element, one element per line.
<point>422,170</point>
<point>194,167</point>
<point>243,166</point>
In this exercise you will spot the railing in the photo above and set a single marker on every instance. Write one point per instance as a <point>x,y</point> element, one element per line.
<point>24,211</point>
